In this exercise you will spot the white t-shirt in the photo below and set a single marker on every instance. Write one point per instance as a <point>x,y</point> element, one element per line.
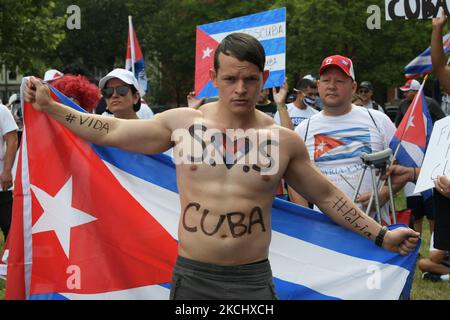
<point>7,124</point>
<point>145,112</point>
<point>297,115</point>
<point>335,144</point>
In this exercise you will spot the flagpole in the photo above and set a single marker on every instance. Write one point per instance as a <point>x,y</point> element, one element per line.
<point>131,37</point>
<point>416,98</point>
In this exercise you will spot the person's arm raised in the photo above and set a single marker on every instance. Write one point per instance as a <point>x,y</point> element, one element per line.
<point>145,136</point>
<point>440,67</point>
<point>307,180</point>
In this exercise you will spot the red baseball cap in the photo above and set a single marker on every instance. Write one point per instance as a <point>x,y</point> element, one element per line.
<point>345,64</point>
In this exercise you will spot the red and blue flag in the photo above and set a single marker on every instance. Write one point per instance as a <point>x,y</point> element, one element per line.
<point>421,65</point>
<point>268,27</point>
<point>135,59</point>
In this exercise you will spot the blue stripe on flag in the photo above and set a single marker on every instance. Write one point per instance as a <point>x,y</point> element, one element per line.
<point>347,155</point>
<point>274,46</point>
<point>246,22</point>
<point>208,91</point>
<point>48,296</point>
<point>275,78</point>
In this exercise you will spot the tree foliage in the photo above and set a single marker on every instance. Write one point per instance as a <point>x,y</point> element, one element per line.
<point>166,31</point>
<point>29,33</point>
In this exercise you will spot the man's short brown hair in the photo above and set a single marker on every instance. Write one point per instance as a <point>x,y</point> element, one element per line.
<point>242,47</point>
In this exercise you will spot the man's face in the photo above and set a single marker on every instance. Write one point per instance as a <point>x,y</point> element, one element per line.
<point>239,83</point>
<point>365,94</point>
<point>336,88</point>
<point>409,95</point>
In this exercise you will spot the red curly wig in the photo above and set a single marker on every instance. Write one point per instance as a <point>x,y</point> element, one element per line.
<point>80,88</point>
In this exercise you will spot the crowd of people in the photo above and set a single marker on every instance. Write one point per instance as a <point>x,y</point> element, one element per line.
<point>328,112</point>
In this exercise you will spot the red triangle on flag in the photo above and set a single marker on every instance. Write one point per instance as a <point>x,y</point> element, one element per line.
<point>204,59</point>
<point>324,143</point>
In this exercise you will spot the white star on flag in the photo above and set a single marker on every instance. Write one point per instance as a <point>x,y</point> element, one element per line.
<point>59,215</point>
<point>321,146</point>
<point>207,53</point>
<point>410,122</point>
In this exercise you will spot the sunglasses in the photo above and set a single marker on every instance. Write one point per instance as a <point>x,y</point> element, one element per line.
<point>364,91</point>
<point>121,91</point>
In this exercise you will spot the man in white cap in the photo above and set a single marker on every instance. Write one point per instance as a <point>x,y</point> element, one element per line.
<point>121,91</point>
<point>410,89</point>
<point>338,135</point>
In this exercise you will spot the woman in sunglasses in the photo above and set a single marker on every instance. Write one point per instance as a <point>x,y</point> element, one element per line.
<point>120,89</point>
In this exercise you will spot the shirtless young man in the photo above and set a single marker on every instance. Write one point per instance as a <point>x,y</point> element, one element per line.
<point>225,226</point>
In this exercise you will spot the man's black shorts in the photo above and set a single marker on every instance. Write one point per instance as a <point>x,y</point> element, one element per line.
<point>420,207</point>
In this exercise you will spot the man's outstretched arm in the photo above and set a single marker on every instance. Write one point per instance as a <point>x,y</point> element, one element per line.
<point>440,67</point>
<point>304,178</point>
<point>145,136</point>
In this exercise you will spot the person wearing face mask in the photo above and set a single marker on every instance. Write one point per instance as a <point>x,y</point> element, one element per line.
<point>303,106</point>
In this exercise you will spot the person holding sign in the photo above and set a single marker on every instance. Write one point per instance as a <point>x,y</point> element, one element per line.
<point>225,225</point>
<point>402,175</point>
<point>442,199</point>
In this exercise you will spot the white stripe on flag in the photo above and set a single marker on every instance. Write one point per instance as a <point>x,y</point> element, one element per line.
<point>332,273</point>
<point>276,62</point>
<point>264,32</point>
<point>155,292</point>
<point>414,152</point>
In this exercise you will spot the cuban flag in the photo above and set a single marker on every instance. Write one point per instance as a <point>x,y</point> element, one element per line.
<point>421,65</point>
<point>135,59</point>
<point>411,139</point>
<point>341,144</point>
<point>268,27</point>
<point>94,222</point>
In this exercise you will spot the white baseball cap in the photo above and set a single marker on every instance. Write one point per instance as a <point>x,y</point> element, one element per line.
<point>52,74</point>
<point>122,74</point>
<point>411,85</point>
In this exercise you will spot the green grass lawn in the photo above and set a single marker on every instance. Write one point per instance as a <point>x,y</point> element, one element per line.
<point>421,290</point>
<point>427,290</point>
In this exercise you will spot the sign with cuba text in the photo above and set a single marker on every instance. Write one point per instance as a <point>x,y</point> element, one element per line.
<point>268,27</point>
<point>415,9</point>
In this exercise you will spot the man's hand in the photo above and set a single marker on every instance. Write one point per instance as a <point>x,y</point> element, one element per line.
<point>279,96</point>
<point>442,185</point>
<point>401,240</point>
<point>38,94</point>
<point>383,197</point>
<point>400,174</point>
<point>193,102</point>
<point>440,21</point>
<point>6,180</point>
